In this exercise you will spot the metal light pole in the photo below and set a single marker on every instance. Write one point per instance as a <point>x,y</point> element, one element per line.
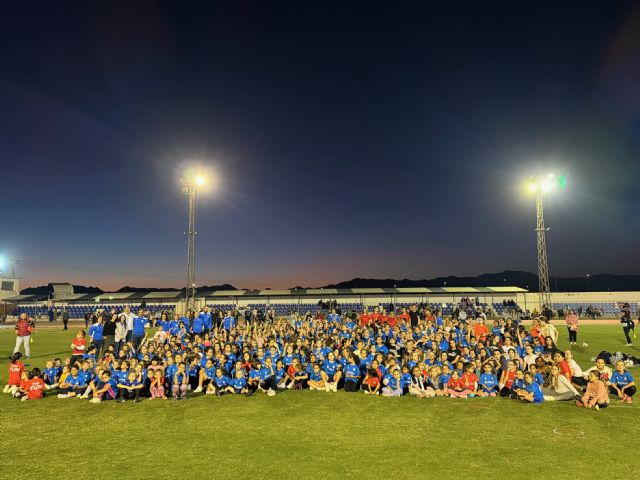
<point>540,186</point>
<point>543,264</point>
<point>190,188</point>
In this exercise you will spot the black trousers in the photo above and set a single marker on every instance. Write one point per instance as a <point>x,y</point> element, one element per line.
<point>129,394</point>
<point>573,335</point>
<point>269,384</point>
<point>351,386</point>
<point>627,330</point>
<point>631,391</point>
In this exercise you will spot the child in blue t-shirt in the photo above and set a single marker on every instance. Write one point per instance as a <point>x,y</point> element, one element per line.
<point>622,383</point>
<point>488,382</point>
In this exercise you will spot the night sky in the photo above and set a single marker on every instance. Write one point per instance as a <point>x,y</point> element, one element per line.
<point>348,139</point>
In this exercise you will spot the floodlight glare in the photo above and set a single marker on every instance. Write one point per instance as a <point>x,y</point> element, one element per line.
<point>3,262</point>
<point>200,180</point>
<point>533,187</point>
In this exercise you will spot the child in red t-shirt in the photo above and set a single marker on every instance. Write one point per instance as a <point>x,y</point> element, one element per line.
<point>371,382</point>
<point>470,381</point>
<point>455,386</point>
<point>34,386</point>
<point>22,387</point>
<point>79,346</point>
<point>16,368</point>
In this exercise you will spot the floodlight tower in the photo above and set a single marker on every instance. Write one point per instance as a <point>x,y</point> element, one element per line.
<point>191,183</point>
<point>540,186</point>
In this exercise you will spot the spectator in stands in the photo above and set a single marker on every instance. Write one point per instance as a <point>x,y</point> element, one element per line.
<point>572,326</point>
<point>24,328</point>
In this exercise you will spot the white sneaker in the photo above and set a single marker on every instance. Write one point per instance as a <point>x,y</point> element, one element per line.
<point>63,395</point>
<point>198,390</point>
<point>25,398</point>
<point>85,396</point>
<point>334,387</point>
<point>327,387</point>
<point>290,386</point>
<point>271,393</point>
<point>6,389</point>
<point>629,345</point>
<point>94,400</point>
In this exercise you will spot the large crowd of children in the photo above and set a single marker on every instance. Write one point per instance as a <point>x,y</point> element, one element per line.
<point>416,352</point>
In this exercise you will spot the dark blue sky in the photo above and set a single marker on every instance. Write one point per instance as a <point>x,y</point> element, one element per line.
<point>348,138</point>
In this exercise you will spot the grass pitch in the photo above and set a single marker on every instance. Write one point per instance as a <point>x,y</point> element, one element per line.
<point>315,434</point>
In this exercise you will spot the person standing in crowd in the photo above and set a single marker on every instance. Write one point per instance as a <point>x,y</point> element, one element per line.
<point>414,315</point>
<point>24,328</point>
<point>627,322</point>
<point>96,335</point>
<point>65,319</point>
<point>572,326</point>
<point>140,325</point>
<point>128,319</point>
<point>109,330</point>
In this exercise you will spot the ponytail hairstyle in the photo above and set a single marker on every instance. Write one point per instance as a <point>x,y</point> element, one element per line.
<point>35,373</point>
<point>15,357</point>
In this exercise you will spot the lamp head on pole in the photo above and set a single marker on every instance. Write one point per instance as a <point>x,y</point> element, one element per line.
<point>546,183</point>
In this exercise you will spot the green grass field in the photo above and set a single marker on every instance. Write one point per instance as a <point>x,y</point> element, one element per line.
<point>315,434</point>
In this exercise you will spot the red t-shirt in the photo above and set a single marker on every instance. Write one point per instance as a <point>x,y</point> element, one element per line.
<point>79,342</point>
<point>375,317</point>
<point>15,372</point>
<point>511,376</point>
<point>481,331</point>
<point>384,319</point>
<point>469,380</point>
<point>565,369</point>
<point>405,317</point>
<point>392,321</point>
<point>34,388</point>
<point>373,382</point>
<point>365,318</point>
<point>455,383</point>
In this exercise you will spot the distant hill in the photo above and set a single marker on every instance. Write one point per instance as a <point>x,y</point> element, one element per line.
<point>601,282</point>
<point>48,289</point>
<point>596,283</point>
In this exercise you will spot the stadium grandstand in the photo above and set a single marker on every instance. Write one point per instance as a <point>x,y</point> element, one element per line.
<point>495,301</point>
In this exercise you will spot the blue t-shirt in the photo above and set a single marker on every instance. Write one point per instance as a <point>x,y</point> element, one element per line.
<point>352,372</point>
<point>229,322</point>
<point>76,381</point>
<point>537,392</point>
<point>139,324</point>
<point>238,384</point>
<point>96,332</point>
<point>221,382</point>
<point>198,325</point>
<point>488,381</point>
<point>621,379</point>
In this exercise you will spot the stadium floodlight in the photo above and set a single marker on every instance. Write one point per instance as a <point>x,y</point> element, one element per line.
<point>192,182</point>
<point>3,263</point>
<point>541,186</point>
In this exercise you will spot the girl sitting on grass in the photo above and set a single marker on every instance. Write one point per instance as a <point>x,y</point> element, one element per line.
<point>16,367</point>
<point>559,388</point>
<point>596,395</point>
<point>392,384</point>
<point>157,385</point>
<point>180,382</point>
